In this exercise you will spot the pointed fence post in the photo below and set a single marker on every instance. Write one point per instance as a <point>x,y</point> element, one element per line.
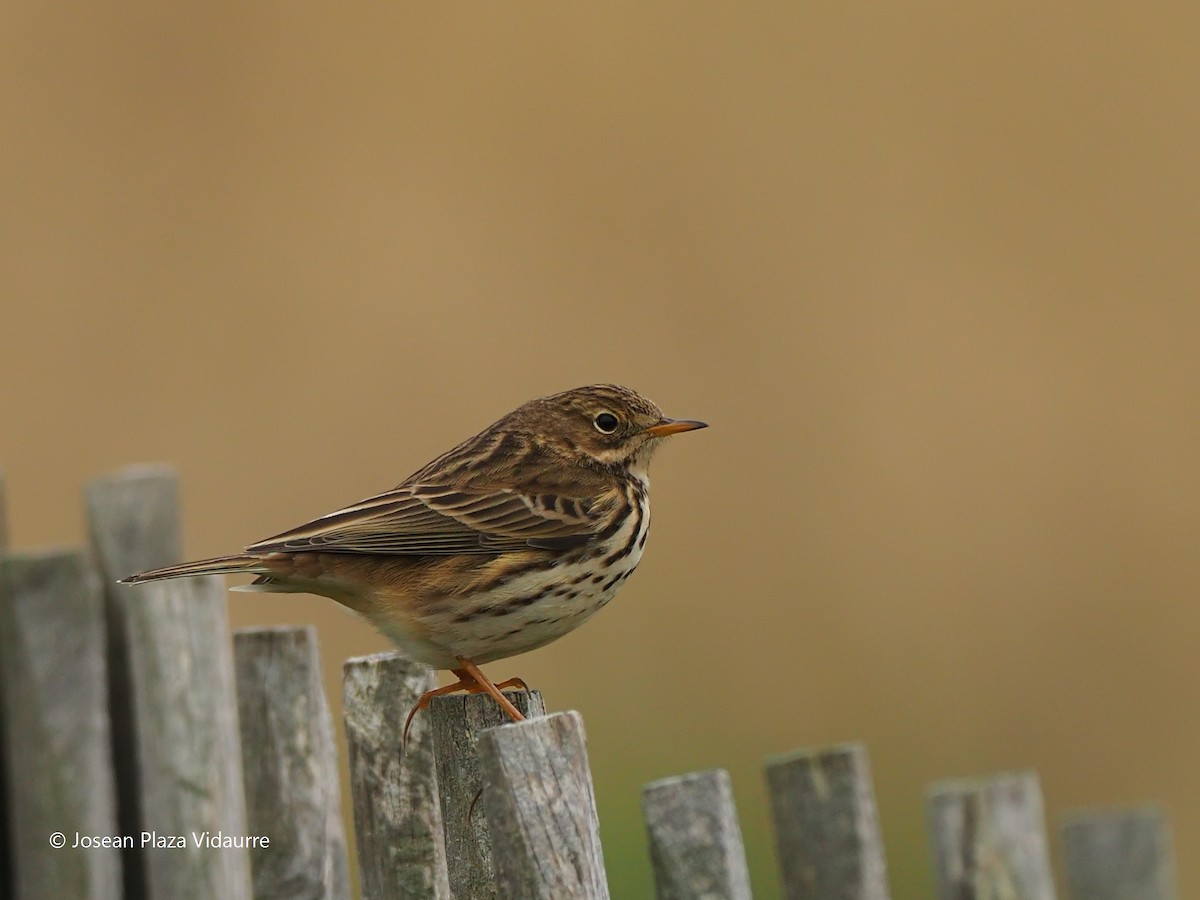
<point>180,769</point>
<point>989,838</point>
<point>57,732</point>
<point>289,762</point>
<point>397,813</point>
<point>541,810</point>
<point>457,721</point>
<point>1118,854</point>
<point>826,825</point>
<point>695,840</point>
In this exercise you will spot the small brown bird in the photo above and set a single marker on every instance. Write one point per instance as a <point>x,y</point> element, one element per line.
<point>501,545</point>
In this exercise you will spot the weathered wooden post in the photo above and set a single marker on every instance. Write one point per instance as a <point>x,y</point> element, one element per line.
<point>989,838</point>
<point>397,813</point>
<point>56,728</point>
<point>826,825</point>
<point>1118,854</point>
<point>182,778</point>
<point>695,840</point>
<point>457,721</point>
<point>6,883</point>
<point>289,763</point>
<point>541,810</point>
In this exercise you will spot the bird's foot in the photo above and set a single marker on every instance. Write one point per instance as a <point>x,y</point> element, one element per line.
<point>472,681</point>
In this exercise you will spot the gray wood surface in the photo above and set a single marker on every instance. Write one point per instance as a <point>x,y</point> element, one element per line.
<point>290,766</point>
<point>397,813</point>
<point>58,741</point>
<point>826,824</point>
<point>6,884</point>
<point>540,807</point>
<point>989,838</point>
<point>457,721</point>
<point>1118,854</point>
<point>182,775</point>
<point>695,839</point>
<point>133,520</point>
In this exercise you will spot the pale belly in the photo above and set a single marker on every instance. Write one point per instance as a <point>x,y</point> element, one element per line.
<point>527,612</point>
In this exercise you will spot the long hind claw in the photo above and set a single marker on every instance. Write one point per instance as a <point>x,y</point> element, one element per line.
<point>472,681</point>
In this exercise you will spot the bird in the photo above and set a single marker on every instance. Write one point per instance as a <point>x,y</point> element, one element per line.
<point>499,546</point>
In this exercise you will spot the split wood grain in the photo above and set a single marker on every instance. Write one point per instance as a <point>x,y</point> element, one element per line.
<point>56,727</point>
<point>695,840</point>
<point>989,838</point>
<point>290,766</point>
<point>397,811</point>
<point>826,825</point>
<point>541,810</point>
<point>457,721</point>
<point>173,677</point>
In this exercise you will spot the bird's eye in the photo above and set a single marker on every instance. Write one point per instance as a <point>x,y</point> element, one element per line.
<point>606,422</point>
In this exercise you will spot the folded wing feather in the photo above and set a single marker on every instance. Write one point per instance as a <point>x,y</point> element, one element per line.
<point>427,519</point>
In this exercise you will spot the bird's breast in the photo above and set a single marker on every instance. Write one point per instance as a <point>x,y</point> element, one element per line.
<point>540,600</point>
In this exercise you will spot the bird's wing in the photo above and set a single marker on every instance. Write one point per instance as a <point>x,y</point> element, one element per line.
<point>430,519</point>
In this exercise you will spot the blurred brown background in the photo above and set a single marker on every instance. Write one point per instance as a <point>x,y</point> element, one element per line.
<point>931,272</point>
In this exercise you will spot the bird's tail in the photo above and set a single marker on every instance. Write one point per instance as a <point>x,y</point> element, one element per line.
<point>218,565</point>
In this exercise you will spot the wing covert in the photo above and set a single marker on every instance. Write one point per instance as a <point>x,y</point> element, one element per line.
<point>429,519</point>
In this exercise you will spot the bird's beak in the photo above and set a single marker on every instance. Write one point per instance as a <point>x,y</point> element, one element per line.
<point>674,426</point>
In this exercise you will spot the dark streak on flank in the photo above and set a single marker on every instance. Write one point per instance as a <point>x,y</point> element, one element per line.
<point>511,606</point>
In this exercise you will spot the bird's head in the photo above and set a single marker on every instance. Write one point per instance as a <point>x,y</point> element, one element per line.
<point>604,424</point>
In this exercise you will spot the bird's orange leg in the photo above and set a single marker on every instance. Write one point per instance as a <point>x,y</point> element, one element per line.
<point>471,670</point>
<point>472,681</point>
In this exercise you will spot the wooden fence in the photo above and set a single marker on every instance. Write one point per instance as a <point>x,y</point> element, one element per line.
<point>146,757</point>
